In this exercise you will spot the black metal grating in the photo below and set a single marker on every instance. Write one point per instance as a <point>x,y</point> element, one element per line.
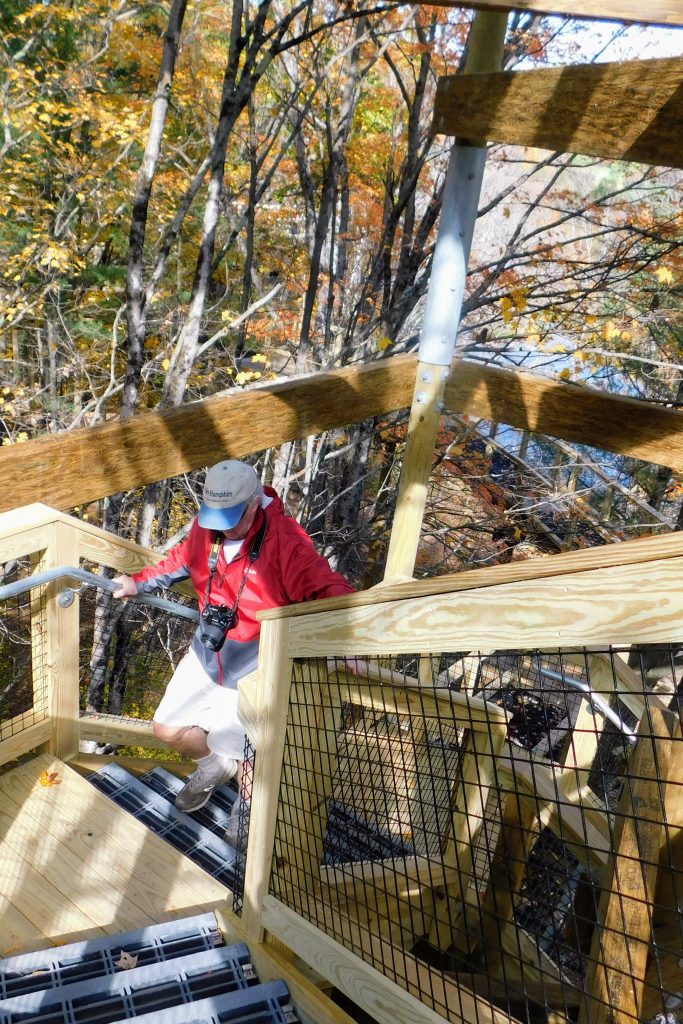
<point>506,824</point>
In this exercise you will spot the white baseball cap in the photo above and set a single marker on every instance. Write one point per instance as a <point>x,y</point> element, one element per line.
<point>227,489</point>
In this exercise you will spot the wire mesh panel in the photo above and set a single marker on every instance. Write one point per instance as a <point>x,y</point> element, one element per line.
<point>499,833</point>
<point>128,652</point>
<point>23,679</point>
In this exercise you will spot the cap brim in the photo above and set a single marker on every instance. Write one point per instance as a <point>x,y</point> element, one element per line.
<point>221,518</point>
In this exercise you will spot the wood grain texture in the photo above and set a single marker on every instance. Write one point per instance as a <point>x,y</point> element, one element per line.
<point>62,647</point>
<point>575,413</point>
<point>418,457</point>
<point>615,976</point>
<point>385,1001</point>
<point>270,703</point>
<point>620,605</point>
<point>73,863</point>
<point>655,12</point>
<point>83,465</point>
<point>15,743</point>
<point>629,110</point>
<point>635,552</point>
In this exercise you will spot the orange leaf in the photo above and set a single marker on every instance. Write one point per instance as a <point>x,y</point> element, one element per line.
<point>50,779</point>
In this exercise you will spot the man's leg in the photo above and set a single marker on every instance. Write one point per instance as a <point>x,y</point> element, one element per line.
<point>189,698</point>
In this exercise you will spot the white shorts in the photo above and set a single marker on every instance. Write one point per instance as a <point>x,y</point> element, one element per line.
<point>191,698</point>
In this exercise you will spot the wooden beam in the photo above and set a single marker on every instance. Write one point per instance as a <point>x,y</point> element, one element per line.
<point>621,605</point>
<point>354,973</point>
<point>633,552</point>
<point>75,467</point>
<point>655,12</point>
<point>615,976</point>
<point>79,466</point>
<point>631,110</point>
<point>575,413</point>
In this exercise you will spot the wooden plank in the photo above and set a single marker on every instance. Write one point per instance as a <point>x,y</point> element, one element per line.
<point>576,413</point>
<point>383,999</point>
<point>655,12</point>
<point>271,702</point>
<point>634,552</point>
<point>272,961</point>
<point>83,465</point>
<point>117,856</point>
<point>616,970</point>
<point>628,110</point>
<point>425,415</point>
<point>112,729</point>
<point>456,709</point>
<point>620,605</point>
<point>62,646</point>
<point>86,764</point>
<point>15,744</point>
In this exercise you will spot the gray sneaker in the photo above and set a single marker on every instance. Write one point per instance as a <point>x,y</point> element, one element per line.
<point>201,784</point>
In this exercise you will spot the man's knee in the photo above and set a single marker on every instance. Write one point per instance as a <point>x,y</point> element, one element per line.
<point>168,733</point>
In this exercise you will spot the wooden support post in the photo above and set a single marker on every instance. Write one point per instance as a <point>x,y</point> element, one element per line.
<point>271,701</point>
<point>55,646</point>
<point>615,977</point>
<point>468,802</point>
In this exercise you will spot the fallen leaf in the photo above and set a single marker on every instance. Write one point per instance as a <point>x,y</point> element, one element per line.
<point>126,961</point>
<point>50,778</point>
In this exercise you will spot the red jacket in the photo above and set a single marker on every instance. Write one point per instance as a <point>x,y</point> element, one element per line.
<point>287,571</point>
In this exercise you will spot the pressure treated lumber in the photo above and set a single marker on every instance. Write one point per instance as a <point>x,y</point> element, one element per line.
<point>630,110</point>
<point>620,605</point>
<point>73,468</point>
<point>635,552</point>
<point>83,465</point>
<point>379,996</point>
<point>615,976</point>
<point>585,415</point>
<point>653,12</point>
<point>74,865</point>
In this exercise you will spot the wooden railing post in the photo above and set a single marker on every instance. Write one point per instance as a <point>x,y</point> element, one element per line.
<point>269,706</point>
<point>61,631</point>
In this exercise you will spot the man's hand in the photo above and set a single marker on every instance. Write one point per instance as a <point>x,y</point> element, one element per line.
<point>127,587</point>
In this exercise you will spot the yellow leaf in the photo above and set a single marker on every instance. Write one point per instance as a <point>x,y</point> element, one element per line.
<point>566,373</point>
<point>165,363</point>
<point>609,331</point>
<point>664,275</point>
<point>49,778</point>
<point>384,343</point>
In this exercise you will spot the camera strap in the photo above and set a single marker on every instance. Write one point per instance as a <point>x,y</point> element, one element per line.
<point>254,552</point>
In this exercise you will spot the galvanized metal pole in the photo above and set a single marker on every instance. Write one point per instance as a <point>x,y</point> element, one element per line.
<point>443,309</point>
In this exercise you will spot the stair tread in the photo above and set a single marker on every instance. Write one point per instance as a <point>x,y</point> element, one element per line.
<point>199,843</point>
<point>174,981</point>
<point>91,958</point>
<point>271,998</point>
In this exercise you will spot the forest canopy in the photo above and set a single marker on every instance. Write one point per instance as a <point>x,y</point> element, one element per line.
<point>198,197</point>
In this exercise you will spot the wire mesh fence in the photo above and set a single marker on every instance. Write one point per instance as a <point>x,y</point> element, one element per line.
<point>128,652</point>
<point>23,679</point>
<point>501,828</point>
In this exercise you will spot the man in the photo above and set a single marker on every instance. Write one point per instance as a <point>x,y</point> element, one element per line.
<point>243,554</point>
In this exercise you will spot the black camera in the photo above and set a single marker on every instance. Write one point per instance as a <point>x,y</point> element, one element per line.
<point>216,620</point>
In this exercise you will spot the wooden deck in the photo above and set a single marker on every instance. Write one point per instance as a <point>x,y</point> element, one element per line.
<point>73,865</point>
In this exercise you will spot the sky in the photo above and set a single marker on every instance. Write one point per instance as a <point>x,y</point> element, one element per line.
<point>612,40</point>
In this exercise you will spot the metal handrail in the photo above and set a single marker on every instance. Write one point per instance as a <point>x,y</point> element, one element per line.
<point>89,579</point>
